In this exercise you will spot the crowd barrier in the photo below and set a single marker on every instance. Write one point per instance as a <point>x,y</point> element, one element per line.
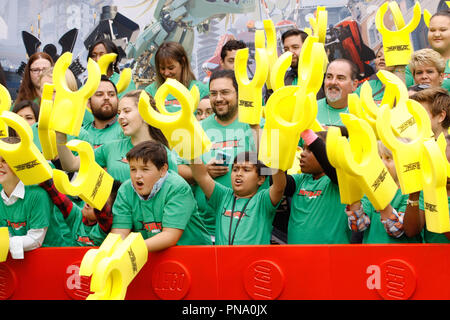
<point>286,272</point>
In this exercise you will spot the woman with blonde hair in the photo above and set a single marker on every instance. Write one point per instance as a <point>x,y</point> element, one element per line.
<point>427,67</point>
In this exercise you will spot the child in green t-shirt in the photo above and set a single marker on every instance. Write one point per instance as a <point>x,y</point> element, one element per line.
<point>157,202</point>
<point>244,212</point>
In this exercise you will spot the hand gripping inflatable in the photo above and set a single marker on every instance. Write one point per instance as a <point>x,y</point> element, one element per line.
<point>92,184</point>
<point>112,275</point>
<point>5,105</point>
<point>4,244</point>
<point>397,44</point>
<point>434,175</point>
<point>181,129</point>
<point>24,158</point>
<point>373,176</point>
<point>271,49</point>
<point>47,136</point>
<point>319,24</point>
<point>349,189</point>
<point>250,92</point>
<point>280,137</point>
<point>406,155</point>
<point>69,106</point>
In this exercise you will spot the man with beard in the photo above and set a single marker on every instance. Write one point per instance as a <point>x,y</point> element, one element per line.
<point>228,136</point>
<point>104,104</point>
<point>293,40</point>
<point>340,81</point>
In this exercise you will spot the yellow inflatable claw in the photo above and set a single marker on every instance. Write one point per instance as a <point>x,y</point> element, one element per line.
<point>124,81</point>
<point>113,274</point>
<point>69,106</point>
<point>250,92</point>
<point>4,243</point>
<point>279,70</point>
<point>47,137</point>
<point>104,61</point>
<point>373,176</point>
<point>442,142</point>
<point>319,24</point>
<point>92,184</point>
<point>5,105</point>
<point>427,17</point>
<point>434,175</point>
<point>24,158</point>
<point>280,137</point>
<point>271,48</point>
<point>348,184</point>
<point>195,94</point>
<point>397,44</point>
<point>406,155</point>
<point>182,130</point>
<point>160,97</point>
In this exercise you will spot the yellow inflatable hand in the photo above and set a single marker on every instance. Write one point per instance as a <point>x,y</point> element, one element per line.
<point>319,24</point>
<point>104,61</point>
<point>113,274</point>
<point>69,106</point>
<point>442,142</point>
<point>406,155</point>
<point>271,48</point>
<point>47,136</point>
<point>5,105</point>
<point>195,93</point>
<point>434,179</point>
<point>92,184</point>
<point>349,189</point>
<point>280,137</point>
<point>124,81</point>
<point>427,17</point>
<point>250,92</point>
<point>397,44</point>
<point>279,70</point>
<point>182,130</point>
<point>24,158</point>
<point>4,243</point>
<point>373,176</point>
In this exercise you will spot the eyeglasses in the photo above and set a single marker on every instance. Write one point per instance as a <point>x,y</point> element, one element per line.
<point>37,70</point>
<point>223,93</point>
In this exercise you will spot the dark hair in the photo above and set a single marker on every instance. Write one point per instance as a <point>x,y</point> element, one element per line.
<point>106,79</point>
<point>218,74</point>
<point>155,133</point>
<point>252,157</point>
<point>354,70</point>
<point>110,48</point>
<point>153,151</point>
<point>438,99</point>
<point>27,103</point>
<point>443,13</point>
<point>11,139</point>
<point>231,45</point>
<point>294,32</point>
<point>27,91</point>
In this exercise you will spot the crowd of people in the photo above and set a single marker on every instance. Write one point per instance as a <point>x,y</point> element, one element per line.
<point>226,196</point>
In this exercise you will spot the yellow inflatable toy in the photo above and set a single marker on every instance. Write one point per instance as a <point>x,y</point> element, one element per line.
<point>271,48</point>
<point>397,44</point>
<point>5,105</point>
<point>92,184</point>
<point>160,97</point>
<point>280,137</point>
<point>372,175</point>
<point>434,175</point>
<point>47,136</point>
<point>250,92</point>
<point>114,265</point>
<point>69,106</point>
<point>24,158</point>
<point>4,244</point>
<point>442,142</point>
<point>319,24</point>
<point>181,129</point>
<point>125,75</point>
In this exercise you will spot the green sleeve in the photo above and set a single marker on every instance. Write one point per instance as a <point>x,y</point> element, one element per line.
<point>122,209</point>
<point>219,193</point>
<point>409,79</point>
<point>100,156</point>
<point>40,207</point>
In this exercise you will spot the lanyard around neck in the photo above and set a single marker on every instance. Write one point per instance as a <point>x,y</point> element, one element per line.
<point>231,240</point>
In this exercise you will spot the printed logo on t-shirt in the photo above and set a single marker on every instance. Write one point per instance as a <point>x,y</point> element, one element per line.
<point>97,146</point>
<point>225,144</point>
<point>310,194</point>
<point>17,225</point>
<point>227,213</point>
<point>124,160</point>
<point>153,227</point>
<point>85,240</point>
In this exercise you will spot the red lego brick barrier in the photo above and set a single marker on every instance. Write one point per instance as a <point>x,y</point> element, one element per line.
<point>247,272</point>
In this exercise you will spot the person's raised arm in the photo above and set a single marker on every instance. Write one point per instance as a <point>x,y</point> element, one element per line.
<point>414,219</point>
<point>68,161</point>
<point>276,190</point>
<point>202,177</point>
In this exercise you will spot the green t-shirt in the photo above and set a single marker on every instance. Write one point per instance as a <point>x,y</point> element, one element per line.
<point>327,115</point>
<point>172,104</point>
<point>83,235</point>
<point>115,79</point>
<point>428,236</point>
<point>173,206</point>
<point>97,137</point>
<point>255,225</point>
<point>35,211</point>
<point>233,139</point>
<point>317,214</point>
<point>88,117</point>
<point>377,90</point>
<point>445,84</point>
<point>376,233</point>
<point>113,156</point>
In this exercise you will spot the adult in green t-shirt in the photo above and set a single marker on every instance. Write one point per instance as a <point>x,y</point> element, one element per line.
<point>157,202</point>
<point>426,67</point>
<point>171,61</point>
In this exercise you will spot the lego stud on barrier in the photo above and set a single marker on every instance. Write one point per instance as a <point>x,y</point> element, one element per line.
<point>69,106</point>
<point>250,92</point>
<point>24,158</point>
<point>4,243</point>
<point>47,136</point>
<point>92,184</point>
<point>181,129</point>
<point>397,44</point>
<point>5,105</point>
